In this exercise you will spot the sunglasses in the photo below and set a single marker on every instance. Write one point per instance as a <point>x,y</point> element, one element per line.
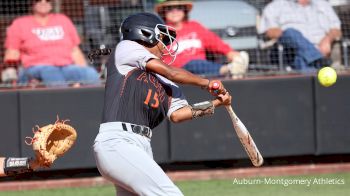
<point>173,7</point>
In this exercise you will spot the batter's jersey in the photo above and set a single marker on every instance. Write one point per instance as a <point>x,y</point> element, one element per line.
<point>134,95</point>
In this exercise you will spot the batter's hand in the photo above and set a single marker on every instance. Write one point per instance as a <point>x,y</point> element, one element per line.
<point>216,88</point>
<point>222,100</point>
<point>225,99</point>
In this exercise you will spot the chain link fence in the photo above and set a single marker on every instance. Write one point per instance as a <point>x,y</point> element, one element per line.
<point>98,22</point>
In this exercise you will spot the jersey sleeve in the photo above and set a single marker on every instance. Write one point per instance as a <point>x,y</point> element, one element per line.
<point>131,54</point>
<point>177,99</point>
<point>13,36</point>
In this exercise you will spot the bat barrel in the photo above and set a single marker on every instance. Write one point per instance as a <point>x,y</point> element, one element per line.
<point>245,138</point>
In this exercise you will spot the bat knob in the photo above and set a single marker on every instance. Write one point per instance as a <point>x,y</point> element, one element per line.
<point>216,85</point>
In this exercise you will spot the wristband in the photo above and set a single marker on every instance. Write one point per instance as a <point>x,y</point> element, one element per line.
<point>202,108</point>
<point>207,86</point>
<point>13,166</point>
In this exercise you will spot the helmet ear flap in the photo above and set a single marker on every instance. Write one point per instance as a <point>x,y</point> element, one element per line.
<point>150,36</point>
<point>146,33</point>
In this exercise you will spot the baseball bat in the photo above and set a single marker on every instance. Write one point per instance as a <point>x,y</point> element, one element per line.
<point>245,138</point>
<point>243,135</point>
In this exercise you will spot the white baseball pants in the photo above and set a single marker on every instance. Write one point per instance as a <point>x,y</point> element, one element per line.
<point>126,159</point>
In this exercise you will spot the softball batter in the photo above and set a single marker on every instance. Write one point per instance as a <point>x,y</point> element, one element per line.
<point>139,94</point>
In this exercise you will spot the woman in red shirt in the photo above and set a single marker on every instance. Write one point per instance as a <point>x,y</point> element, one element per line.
<point>194,39</point>
<point>47,45</point>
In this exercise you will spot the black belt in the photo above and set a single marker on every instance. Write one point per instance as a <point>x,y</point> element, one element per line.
<point>138,129</point>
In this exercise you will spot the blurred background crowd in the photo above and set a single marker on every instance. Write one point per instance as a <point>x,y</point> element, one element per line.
<point>46,43</point>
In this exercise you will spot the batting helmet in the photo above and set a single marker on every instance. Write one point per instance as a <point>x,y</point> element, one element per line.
<point>146,28</point>
<point>149,29</point>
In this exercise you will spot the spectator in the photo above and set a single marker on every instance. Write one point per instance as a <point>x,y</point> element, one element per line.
<point>47,46</point>
<point>306,27</point>
<point>194,40</point>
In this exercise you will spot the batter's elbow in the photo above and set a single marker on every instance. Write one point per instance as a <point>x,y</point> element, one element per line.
<point>175,118</point>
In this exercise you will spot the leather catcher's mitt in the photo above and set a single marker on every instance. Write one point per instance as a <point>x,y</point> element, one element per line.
<point>50,142</point>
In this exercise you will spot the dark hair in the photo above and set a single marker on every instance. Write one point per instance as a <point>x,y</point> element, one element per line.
<point>98,52</point>
<point>36,1</point>
<point>33,2</point>
<point>164,10</point>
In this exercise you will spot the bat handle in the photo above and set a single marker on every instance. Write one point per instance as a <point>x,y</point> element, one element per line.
<point>231,112</point>
<point>216,86</point>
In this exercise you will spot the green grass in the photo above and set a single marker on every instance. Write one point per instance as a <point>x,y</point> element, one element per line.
<point>223,188</point>
<point>227,188</point>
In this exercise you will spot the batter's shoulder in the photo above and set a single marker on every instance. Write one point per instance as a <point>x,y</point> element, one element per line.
<point>129,45</point>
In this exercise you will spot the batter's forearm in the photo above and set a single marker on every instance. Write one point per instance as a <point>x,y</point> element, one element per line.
<point>175,74</point>
<point>194,111</point>
<point>184,77</point>
<point>181,115</point>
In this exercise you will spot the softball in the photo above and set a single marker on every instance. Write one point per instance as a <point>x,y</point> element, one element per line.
<point>327,76</point>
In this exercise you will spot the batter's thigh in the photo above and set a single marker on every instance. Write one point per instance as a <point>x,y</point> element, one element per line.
<point>129,166</point>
